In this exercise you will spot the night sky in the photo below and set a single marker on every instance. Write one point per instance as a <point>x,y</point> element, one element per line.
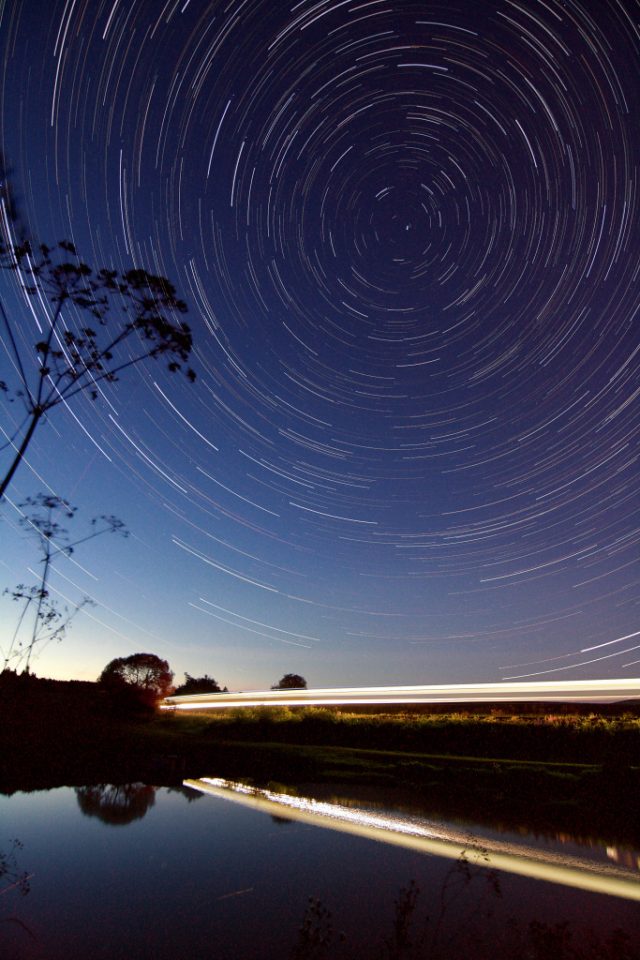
<point>408,236</point>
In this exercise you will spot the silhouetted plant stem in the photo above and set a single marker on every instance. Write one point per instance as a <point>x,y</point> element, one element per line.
<point>48,622</point>
<point>75,357</point>
<point>26,440</point>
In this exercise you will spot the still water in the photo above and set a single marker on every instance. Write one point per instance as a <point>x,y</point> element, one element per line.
<point>213,870</point>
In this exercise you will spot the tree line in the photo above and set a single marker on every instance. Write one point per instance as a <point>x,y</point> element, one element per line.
<point>150,678</point>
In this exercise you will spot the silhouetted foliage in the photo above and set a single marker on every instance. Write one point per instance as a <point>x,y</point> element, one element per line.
<point>11,877</point>
<point>41,518</point>
<point>143,674</point>
<point>460,920</point>
<point>193,685</point>
<point>83,345</point>
<point>118,804</point>
<point>291,681</point>
<point>316,933</point>
<point>188,793</point>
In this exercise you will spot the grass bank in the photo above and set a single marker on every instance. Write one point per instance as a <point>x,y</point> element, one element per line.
<point>553,772</point>
<point>593,737</point>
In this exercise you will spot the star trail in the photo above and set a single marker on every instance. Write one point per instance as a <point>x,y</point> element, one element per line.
<point>407,234</point>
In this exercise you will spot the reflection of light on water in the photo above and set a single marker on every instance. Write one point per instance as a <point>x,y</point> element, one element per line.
<point>627,858</point>
<point>590,847</point>
<point>435,839</point>
<point>317,808</point>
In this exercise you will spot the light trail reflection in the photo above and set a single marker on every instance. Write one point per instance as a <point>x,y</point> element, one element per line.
<point>436,839</point>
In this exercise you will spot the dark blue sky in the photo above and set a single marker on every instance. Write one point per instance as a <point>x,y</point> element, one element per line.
<point>407,234</point>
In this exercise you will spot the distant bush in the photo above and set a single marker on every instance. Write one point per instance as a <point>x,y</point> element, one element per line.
<point>290,681</point>
<point>195,685</point>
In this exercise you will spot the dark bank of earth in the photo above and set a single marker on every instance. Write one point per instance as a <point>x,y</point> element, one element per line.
<point>579,774</point>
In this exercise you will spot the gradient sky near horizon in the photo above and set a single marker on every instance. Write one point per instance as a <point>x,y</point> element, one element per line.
<point>408,236</point>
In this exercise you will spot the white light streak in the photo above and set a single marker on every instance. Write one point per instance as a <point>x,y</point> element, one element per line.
<point>430,838</point>
<point>589,690</point>
<point>217,134</point>
<point>597,646</point>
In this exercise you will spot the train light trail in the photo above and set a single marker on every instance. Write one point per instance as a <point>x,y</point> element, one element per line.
<point>431,838</point>
<point>540,690</point>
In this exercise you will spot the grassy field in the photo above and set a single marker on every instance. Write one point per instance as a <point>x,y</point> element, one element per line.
<point>592,737</point>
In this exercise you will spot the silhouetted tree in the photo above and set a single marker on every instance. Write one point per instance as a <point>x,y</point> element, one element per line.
<point>291,681</point>
<point>116,805</point>
<point>204,684</point>
<point>188,793</point>
<point>50,621</point>
<point>144,674</point>
<point>82,344</point>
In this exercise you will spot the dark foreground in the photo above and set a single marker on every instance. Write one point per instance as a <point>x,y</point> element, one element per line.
<point>553,772</point>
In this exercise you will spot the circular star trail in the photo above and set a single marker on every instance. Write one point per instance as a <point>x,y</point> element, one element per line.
<point>407,233</point>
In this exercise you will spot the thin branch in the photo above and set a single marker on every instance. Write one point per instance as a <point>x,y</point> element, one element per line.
<point>12,886</point>
<point>124,333</point>
<point>108,374</point>
<point>41,598</point>
<point>10,653</point>
<point>23,376</point>
<point>54,321</point>
<point>71,546</point>
<point>15,433</point>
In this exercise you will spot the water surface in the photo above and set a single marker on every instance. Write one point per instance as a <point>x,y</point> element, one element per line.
<point>163,872</point>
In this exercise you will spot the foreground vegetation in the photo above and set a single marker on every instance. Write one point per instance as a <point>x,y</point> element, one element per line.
<point>554,772</point>
<point>450,923</point>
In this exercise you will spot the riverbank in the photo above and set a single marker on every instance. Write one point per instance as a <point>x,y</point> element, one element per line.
<point>555,772</point>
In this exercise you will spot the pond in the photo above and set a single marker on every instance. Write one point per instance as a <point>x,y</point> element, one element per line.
<point>221,870</point>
